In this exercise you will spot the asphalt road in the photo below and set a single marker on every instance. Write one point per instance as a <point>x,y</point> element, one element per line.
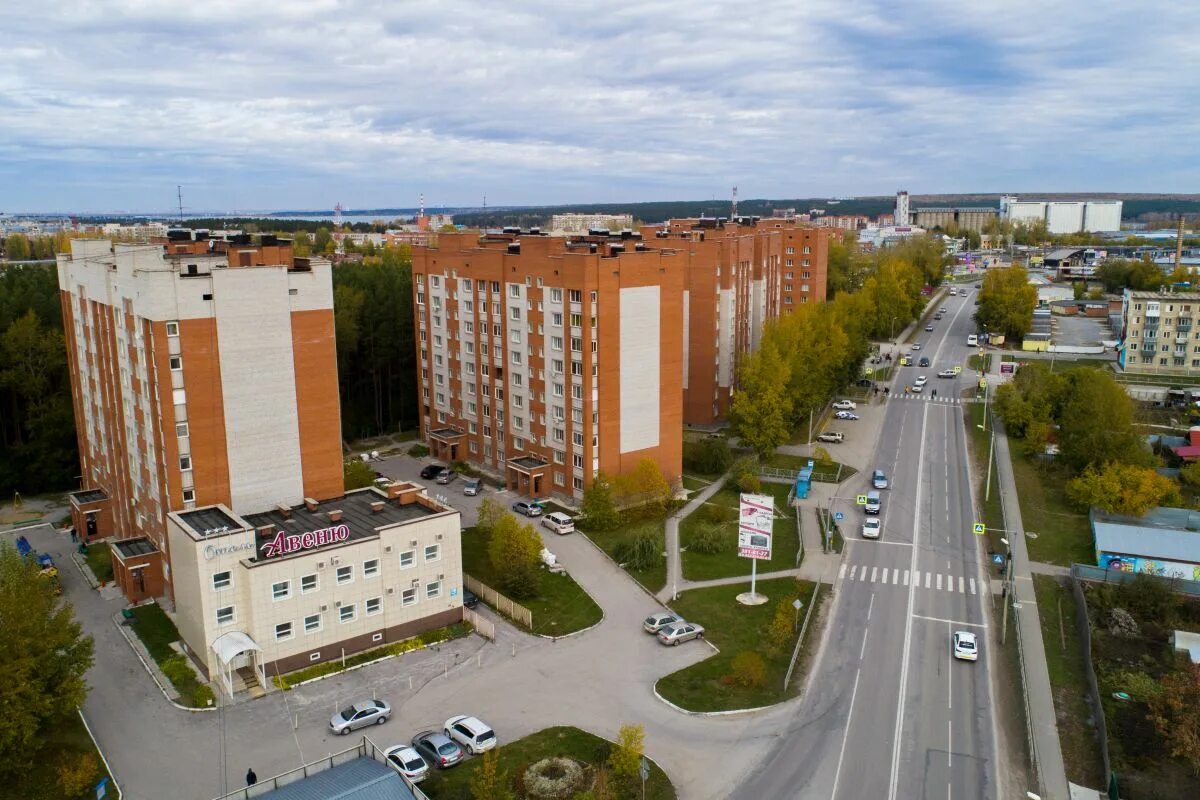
<point>889,712</point>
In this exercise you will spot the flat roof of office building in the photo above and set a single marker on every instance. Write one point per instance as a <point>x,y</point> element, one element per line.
<point>359,513</point>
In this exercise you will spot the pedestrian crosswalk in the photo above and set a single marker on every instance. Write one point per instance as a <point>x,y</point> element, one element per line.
<point>921,579</point>
<point>930,398</point>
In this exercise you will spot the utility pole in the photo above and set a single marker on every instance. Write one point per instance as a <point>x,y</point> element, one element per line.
<point>987,491</point>
<point>1007,590</point>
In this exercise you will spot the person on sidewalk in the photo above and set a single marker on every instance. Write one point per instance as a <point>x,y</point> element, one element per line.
<point>251,778</point>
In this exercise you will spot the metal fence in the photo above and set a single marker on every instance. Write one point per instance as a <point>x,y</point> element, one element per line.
<point>506,606</point>
<point>1083,622</point>
<point>1094,574</point>
<point>787,679</point>
<point>482,625</point>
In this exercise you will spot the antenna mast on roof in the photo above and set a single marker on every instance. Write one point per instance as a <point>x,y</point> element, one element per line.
<point>485,219</point>
<point>733,212</point>
<point>179,195</point>
<point>337,215</point>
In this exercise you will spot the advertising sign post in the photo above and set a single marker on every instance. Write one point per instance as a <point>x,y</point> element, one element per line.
<point>756,518</point>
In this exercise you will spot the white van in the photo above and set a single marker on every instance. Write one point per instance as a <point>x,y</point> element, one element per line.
<point>559,523</point>
<point>972,340</point>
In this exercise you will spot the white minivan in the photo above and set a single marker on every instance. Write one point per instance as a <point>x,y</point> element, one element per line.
<point>972,340</point>
<point>559,523</point>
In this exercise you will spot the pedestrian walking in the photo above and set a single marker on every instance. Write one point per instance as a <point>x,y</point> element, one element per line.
<point>251,778</point>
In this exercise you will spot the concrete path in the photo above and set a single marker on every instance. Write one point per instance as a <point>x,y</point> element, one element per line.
<point>1040,568</point>
<point>675,580</point>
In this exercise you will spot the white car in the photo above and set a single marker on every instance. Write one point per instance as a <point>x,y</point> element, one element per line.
<point>559,522</point>
<point>845,415</point>
<point>470,732</point>
<point>918,388</point>
<point>845,405</point>
<point>947,373</point>
<point>407,762</point>
<point>831,437</point>
<point>916,346</point>
<point>920,381</point>
<point>966,648</point>
<point>871,528</point>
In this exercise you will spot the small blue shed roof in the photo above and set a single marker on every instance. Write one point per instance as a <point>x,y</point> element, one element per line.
<point>360,779</point>
<point>1171,534</point>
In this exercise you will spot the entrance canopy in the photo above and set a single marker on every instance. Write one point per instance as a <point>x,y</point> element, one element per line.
<point>230,645</point>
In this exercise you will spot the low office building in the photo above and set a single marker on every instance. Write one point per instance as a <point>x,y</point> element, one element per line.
<point>1164,541</point>
<point>267,593</point>
<point>1159,334</point>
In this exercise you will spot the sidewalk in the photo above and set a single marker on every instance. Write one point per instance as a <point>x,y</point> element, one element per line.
<point>675,581</point>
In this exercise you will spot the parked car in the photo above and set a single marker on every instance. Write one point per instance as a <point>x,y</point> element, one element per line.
<point>845,405</point>
<point>470,599</point>
<point>437,749</point>
<point>680,632</point>
<point>924,362</point>
<point>446,476</point>
<point>831,437</point>
<point>527,509</point>
<point>879,480</point>
<point>871,527</point>
<point>966,648</point>
<point>360,715</point>
<point>874,502</point>
<point>920,381</point>
<point>947,373</point>
<point>407,762</point>
<point>470,732</point>
<point>659,620</point>
<point>845,415</point>
<point>471,486</point>
<point>559,522</point>
<point>431,471</point>
<point>928,328</point>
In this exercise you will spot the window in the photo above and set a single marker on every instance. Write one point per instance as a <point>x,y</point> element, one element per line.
<point>559,479</point>
<point>433,552</point>
<point>556,297</point>
<point>516,357</point>
<point>374,606</point>
<point>181,429</point>
<point>308,584</point>
<point>514,290</point>
<point>185,463</point>
<point>225,615</point>
<point>556,319</point>
<point>312,623</point>
<point>346,613</point>
<point>371,568</point>
<point>172,329</point>
<point>222,580</point>
<point>576,345</point>
<point>281,590</point>
<point>577,460</point>
<point>433,589</point>
<point>577,296</point>
<point>345,574</point>
<point>577,366</point>
<point>577,483</point>
<point>518,401</point>
<point>175,362</point>
<point>408,597</point>
<point>556,366</point>
<point>556,343</point>
<point>189,495</point>
<point>406,559</point>
<point>283,631</point>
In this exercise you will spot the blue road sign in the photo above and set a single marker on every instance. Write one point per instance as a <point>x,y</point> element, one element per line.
<point>839,516</point>
<point>997,558</point>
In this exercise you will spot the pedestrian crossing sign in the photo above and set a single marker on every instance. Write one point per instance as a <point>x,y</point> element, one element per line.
<point>980,529</point>
<point>957,368</point>
<point>861,500</point>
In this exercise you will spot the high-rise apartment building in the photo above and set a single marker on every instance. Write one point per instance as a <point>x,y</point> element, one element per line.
<point>203,372</point>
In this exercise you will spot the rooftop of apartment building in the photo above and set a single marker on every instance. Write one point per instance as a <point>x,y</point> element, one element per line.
<point>514,241</point>
<point>201,248</point>
<point>363,512</point>
<point>1162,294</point>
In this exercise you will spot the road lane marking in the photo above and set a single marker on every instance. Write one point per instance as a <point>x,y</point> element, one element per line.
<point>896,577</point>
<point>939,582</point>
<point>960,584</point>
<point>949,666</point>
<point>972,585</point>
<point>846,734</point>
<point>870,606</point>
<point>949,745</point>
<point>927,576</point>
<point>874,573</point>
<point>916,538</point>
<point>981,625</point>
<point>842,575</point>
<point>863,649</point>
<point>853,570</point>
<point>906,577</point>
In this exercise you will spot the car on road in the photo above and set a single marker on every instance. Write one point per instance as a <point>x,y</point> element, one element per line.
<point>928,328</point>
<point>966,648</point>
<point>972,340</point>
<point>942,310</point>
<point>916,346</point>
<point>559,522</point>
<point>680,632</point>
<point>832,437</point>
<point>472,486</point>
<point>924,362</point>
<point>437,749</point>
<point>446,476</point>
<point>947,373</point>
<point>845,405</point>
<point>360,715</point>
<point>659,620</point>
<point>874,502</point>
<point>845,415</point>
<point>407,761</point>
<point>430,471</point>
<point>920,381</point>
<point>920,387</point>
<point>471,732</point>
<point>527,509</point>
<point>879,480</point>
<point>470,599</point>
<point>871,528</point>
<point>937,317</point>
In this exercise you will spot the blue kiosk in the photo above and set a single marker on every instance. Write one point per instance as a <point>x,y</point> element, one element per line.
<point>804,481</point>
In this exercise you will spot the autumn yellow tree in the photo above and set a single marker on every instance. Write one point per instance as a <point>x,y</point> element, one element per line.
<point>489,782</point>
<point>762,406</point>
<point>1118,488</point>
<point>625,761</point>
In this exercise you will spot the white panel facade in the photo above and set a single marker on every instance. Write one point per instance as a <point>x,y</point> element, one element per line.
<point>1026,211</point>
<point>640,358</point>
<point>758,311</point>
<point>1064,217</point>
<point>687,321</point>
<point>1102,215</point>
<point>258,385</point>
<point>726,336</point>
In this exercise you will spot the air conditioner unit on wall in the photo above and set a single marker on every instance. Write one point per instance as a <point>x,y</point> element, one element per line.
<point>387,549</point>
<point>416,581</point>
<point>441,577</point>
<point>439,537</point>
<point>337,603</point>
<point>391,590</point>
<point>320,565</point>
<point>323,608</point>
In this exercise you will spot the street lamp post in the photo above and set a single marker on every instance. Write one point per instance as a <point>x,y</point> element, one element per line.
<point>1007,588</point>
<point>892,336</point>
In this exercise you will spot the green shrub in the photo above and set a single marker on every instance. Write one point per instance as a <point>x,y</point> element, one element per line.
<point>643,552</point>
<point>418,451</point>
<point>748,669</point>
<point>710,538</point>
<point>356,474</point>
<point>709,456</point>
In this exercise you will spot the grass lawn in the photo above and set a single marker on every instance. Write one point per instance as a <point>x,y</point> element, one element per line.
<point>693,484</point>
<point>561,607</point>
<point>735,628</point>
<point>703,566</point>
<point>65,743</point>
<point>1068,677</point>
<point>980,362</point>
<point>832,472</point>
<point>516,756</point>
<point>157,632</point>
<point>1063,533</point>
<point>99,558</point>
<point>990,514</point>
<point>654,578</point>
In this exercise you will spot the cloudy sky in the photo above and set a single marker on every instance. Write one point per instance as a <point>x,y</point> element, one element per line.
<point>106,106</point>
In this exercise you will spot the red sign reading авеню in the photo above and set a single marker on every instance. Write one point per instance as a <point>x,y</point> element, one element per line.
<point>282,543</point>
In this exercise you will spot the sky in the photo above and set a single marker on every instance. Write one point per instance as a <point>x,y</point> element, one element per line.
<point>107,106</point>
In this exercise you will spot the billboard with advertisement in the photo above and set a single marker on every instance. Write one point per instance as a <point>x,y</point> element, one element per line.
<point>1154,566</point>
<point>756,518</point>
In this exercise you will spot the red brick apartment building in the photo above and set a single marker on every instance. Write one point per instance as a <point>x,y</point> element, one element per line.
<point>202,372</point>
<point>547,359</point>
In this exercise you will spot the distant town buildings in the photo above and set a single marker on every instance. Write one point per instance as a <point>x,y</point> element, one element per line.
<point>568,224</point>
<point>1160,333</point>
<point>961,218</point>
<point>901,215</point>
<point>874,237</point>
<point>1064,216</point>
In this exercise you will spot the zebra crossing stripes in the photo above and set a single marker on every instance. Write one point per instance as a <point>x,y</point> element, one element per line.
<point>938,581</point>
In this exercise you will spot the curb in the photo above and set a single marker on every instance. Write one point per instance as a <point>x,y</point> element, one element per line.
<point>372,661</point>
<point>596,624</point>
<point>154,677</point>
<point>85,571</point>
<point>734,712</point>
<point>112,778</point>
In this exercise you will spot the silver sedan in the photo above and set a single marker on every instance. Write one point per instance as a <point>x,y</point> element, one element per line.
<point>680,632</point>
